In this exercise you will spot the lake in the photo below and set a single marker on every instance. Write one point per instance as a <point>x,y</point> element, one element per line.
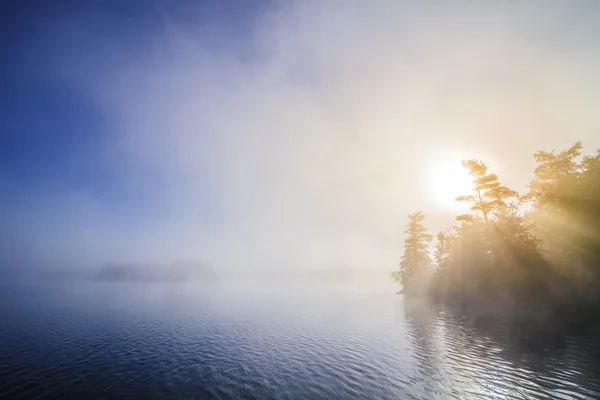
<point>179,341</point>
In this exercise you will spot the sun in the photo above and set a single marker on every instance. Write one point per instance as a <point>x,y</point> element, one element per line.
<point>447,180</point>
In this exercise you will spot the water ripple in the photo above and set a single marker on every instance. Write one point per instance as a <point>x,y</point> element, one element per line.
<point>102,341</point>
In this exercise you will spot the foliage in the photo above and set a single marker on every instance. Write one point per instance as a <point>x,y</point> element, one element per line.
<point>489,197</point>
<point>416,250</point>
<point>501,258</point>
<point>566,193</point>
<point>552,170</point>
<point>443,247</point>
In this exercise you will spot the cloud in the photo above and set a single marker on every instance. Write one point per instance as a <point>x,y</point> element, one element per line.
<point>308,144</point>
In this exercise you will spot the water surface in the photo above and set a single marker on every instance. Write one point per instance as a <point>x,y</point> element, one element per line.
<point>107,340</point>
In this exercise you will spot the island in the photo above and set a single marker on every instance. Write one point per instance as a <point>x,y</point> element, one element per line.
<point>177,271</point>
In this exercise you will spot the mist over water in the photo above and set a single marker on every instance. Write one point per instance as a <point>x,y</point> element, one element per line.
<point>273,150</point>
<point>155,340</point>
<point>297,133</point>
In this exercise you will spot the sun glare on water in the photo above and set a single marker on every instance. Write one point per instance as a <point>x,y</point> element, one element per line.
<point>447,180</point>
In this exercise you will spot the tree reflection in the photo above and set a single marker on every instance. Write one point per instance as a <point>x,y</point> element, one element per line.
<point>462,358</point>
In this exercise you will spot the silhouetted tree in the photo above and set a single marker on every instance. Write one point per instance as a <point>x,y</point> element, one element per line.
<point>490,197</point>
<point>416,250</point>
<point>556,179</point>
<point>525,265</point>
<point>552,170</point>
<point>566,196</point>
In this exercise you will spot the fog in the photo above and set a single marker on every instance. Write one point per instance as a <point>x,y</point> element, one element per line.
<point>304,138</point>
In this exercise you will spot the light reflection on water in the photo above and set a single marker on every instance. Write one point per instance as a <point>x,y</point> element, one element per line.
<point>182,341</point>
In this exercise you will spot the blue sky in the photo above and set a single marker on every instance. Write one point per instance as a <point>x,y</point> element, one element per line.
<point>60,160</point>
<point>271,133</point>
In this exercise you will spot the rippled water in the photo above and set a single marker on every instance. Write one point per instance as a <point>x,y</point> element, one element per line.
<point>95,341</point>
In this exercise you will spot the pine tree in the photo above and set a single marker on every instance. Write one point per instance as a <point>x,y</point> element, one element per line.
<point>565,194</point>
<point>490,196</point>
<point>552,170</point>
<point>416,252</point>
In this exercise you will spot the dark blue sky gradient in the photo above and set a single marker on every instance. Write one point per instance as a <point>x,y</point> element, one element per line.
<point>51,133</point>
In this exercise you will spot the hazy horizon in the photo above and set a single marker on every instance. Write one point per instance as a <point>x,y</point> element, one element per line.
<point>275,135</point>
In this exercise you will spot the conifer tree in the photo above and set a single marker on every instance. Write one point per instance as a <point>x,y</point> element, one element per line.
<point>490,196</point>
<point>416,252</point>
<point>553,169</point>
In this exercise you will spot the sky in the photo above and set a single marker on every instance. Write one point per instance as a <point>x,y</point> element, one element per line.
<point>278,134</point>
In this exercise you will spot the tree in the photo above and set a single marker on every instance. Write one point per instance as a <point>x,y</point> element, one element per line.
<point>490,197</point>
<point>499,261</point>
<point>416,252</point>
<point>555,192</point>
<point>444,246</point>
<point>566,194</point>
<point>552,170</point>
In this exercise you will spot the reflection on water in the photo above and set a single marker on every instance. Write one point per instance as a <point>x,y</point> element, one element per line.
<point>179,341</point>
<point>457,358</point>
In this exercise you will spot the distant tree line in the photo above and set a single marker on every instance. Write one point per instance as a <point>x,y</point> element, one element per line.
<point>515,253</point>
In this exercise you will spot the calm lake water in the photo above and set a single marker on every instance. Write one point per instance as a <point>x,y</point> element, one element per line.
<point>94,341</point>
